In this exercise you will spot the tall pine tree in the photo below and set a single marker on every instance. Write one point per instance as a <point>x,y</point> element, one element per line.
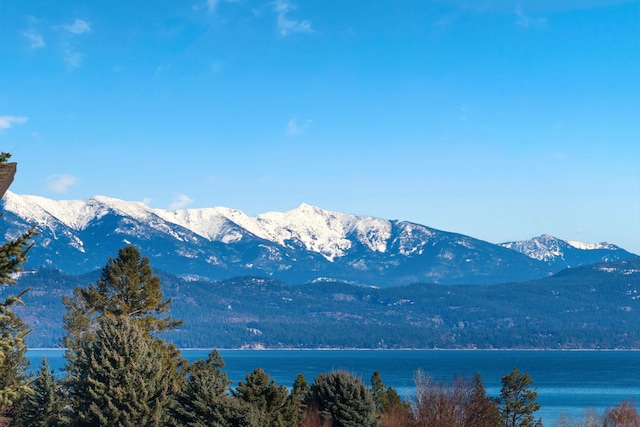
<point>205,402</point>
<point>296,407</point>
<point>44,405</point>
<point>118,378</point>
<point>13,362</point>
<point>264,395</point>
<point>482,410</point>
<point>127,289</point>
<point>518,401</point>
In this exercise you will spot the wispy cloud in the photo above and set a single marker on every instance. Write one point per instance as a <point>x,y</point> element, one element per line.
<point>526,21</point>
<point>74,59</point>
<point>61,183</point>
<point>288,26</point>
<point>180,201</point>
<point>211,5</point>
<point>7,122</point>
<point>294,128</point>
<point>71,56</point>
<point>35,38</point>
<point>79,26</point>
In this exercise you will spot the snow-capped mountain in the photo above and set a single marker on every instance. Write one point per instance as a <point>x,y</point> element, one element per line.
<point>566,253</point>
<point>304,244</point>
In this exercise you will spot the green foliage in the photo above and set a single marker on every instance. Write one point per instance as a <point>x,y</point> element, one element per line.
<point>13,361</point>
<point>264,395</point>
<point>204,400</point>
<point>44,405</point>
<point>379,392</point>
<point>518,401</point>
<point>119,378</point>
<point>13,330</point>
<point>127,287</point>
<point>127,295</point>
<point>389,407</point>
<point>343,399</point>
<point>296,400</point>
<point>236,413</point>
<point>300,388</point>
<point>483,410</point>
<point>557,312</point>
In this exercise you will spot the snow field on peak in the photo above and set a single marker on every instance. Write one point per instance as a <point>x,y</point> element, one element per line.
<point>215,224</point>
<point>547,247</point>
<point>589,246</point>
<point>413,238</point>
<point>75,214</point>
<point>325,232</point>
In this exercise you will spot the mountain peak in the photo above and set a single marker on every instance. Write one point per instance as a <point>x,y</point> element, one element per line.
<point>553,250</point>
<point>301,244</point>
<point>305,208</point>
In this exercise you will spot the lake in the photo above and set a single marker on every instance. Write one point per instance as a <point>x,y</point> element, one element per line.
<point>566,381</point>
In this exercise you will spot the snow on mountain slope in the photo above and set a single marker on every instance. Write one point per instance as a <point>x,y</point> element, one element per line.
<point>542,248</point>
<point>323,231</point>
<point>317,230</point>
<point>590,246</point>
<point>216,224</point>
<point>72,213</point>
<point>556,251</point>
<point>413,238</point>
<point>298,245</point>
<point>75,214</point>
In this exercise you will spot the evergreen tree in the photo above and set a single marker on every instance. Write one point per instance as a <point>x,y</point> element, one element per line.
<point>300,388</point>
<point>44,405</point>
<point>127,287</point>
<point>518,402</point>
<point>13,362</point>
<point>379,392</point>
<point>343,399</point>
<point>391,410</point>
<point>204,400</point>
<point>118,378</point>
<point>296,399</point>
<point>482,411</point>
<point>394,401</point>
<point>261,392</point>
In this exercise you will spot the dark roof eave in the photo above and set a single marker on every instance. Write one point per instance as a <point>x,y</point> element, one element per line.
<point>7,172</point>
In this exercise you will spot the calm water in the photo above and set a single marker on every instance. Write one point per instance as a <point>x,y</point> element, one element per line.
<point>567,381</point>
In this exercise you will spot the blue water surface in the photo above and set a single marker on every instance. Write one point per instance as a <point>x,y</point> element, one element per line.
<point>566,381</point>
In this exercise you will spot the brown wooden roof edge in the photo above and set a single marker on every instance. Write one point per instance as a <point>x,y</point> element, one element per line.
<point>7,172</point>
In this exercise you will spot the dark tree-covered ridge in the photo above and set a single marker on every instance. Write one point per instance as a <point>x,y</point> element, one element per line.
<point>591,307</point>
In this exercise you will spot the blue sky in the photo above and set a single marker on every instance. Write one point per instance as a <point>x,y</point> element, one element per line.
<point>502,120</point>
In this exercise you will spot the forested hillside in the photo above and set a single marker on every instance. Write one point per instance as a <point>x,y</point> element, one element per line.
<point>587,307</point>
